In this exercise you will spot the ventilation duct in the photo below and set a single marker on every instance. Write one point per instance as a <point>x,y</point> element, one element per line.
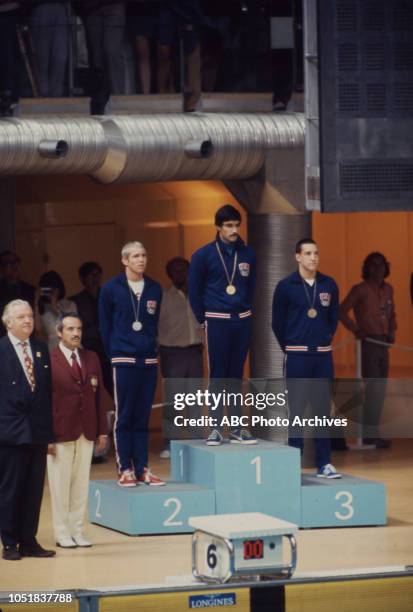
<point>130,148</point>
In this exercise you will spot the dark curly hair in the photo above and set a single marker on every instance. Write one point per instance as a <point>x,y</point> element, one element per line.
<point>54,280</point>
<point>369,259</point>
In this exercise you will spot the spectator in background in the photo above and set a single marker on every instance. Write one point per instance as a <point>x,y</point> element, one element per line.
<point>50,29</point>
<point>87,303</point>
<point>11,286</point>
<point>181,20</point>
<point>180,340</point>
<point>51,303</point>
<point>374,319</point>
<point>105,27</point>
<point>143,21</point>
<point>9,56</point>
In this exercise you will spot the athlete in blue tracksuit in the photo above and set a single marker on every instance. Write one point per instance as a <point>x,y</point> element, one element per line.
<point>304,320</point>
<point>221,288</point>
<point>129,307</point>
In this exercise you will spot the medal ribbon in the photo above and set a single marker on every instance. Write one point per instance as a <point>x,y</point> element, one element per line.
<point>310,302</point>
<point>138,298</point>
<point>230,279</point>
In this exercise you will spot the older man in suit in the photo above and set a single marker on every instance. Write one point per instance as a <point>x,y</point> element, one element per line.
<point>78,420</point>
<point>25,432</point>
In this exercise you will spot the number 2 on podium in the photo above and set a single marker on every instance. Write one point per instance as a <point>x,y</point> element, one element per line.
<point>98,503</point>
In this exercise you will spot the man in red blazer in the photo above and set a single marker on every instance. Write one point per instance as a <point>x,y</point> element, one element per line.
<point>78,420</point>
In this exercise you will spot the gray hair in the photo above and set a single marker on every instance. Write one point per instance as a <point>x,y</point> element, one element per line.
<point>129,247</point>
<point>6,316</point>
<point>64,315</point>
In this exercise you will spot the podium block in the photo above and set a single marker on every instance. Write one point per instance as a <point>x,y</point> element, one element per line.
<point>348,501</point>
<point>265,477</point>
<point>145,510</point>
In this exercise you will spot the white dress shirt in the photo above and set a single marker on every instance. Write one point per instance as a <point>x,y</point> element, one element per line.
<point>178,326</point>
<point>137,286</point>
<point>68,354</point>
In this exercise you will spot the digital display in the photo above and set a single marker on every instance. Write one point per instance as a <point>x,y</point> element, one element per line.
<point>253,549</point>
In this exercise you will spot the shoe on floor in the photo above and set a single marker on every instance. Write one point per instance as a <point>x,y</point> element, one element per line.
<point>35,550</point>
<point>127,479</point>
<point>81,541</point>
<point>214,438</point>
<point>165,454</point>
<point>10,553</point>
<point>377,442</point>
<point>328,471</point>
<point>98,459</point>
<point>382,443</point>
<point>242,436</point>
<point>150,479</point>
<point>66,542</point>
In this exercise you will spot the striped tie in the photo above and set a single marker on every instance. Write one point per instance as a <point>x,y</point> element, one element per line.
<point>29,365</point>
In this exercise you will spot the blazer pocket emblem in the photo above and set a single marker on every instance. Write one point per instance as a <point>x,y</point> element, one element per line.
<point>38,354</point>
<point>94,381</point>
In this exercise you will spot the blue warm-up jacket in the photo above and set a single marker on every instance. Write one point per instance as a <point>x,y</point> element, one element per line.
<point>123,345</point>
<point>208,281</point>
<point>294,330</point>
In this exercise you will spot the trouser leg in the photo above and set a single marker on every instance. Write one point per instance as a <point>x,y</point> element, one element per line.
<point>59,471</point>
<point>79,485</point>
<point>141,415</point>
<point>126,388</point>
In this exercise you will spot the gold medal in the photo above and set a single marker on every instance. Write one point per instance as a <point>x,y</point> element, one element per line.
<point>230,289</point>
<point>312,313</point>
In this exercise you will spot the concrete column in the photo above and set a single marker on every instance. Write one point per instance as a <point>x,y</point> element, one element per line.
<point>273,238</point>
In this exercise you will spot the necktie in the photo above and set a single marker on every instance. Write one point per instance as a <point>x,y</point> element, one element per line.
<point>76,367</point>
<point>28,363</point>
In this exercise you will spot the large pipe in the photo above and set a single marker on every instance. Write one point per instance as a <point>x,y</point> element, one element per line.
<point>21,145</point>
<point>130,148</point>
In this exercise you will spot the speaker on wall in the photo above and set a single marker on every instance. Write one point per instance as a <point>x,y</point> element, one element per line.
<point>365,77</point>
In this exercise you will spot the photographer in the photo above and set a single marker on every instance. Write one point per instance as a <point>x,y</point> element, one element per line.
<point>50,304</point>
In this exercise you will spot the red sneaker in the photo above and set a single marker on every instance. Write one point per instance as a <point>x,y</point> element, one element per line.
<point>127,479</point>
<point>150,479</point>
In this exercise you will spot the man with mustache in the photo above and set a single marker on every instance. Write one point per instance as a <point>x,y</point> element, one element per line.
<point>221,288</point>
<point>78,420</point>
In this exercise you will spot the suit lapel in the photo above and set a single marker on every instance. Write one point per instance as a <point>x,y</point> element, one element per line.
<point>65,364</point>
<point>37,361</point>
<point>14,361</point>
<point>84,365</point>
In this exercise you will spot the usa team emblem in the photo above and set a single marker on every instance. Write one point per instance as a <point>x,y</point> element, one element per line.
<point>151,306</point>
<point>325,299</point>
<point>244,269</point>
